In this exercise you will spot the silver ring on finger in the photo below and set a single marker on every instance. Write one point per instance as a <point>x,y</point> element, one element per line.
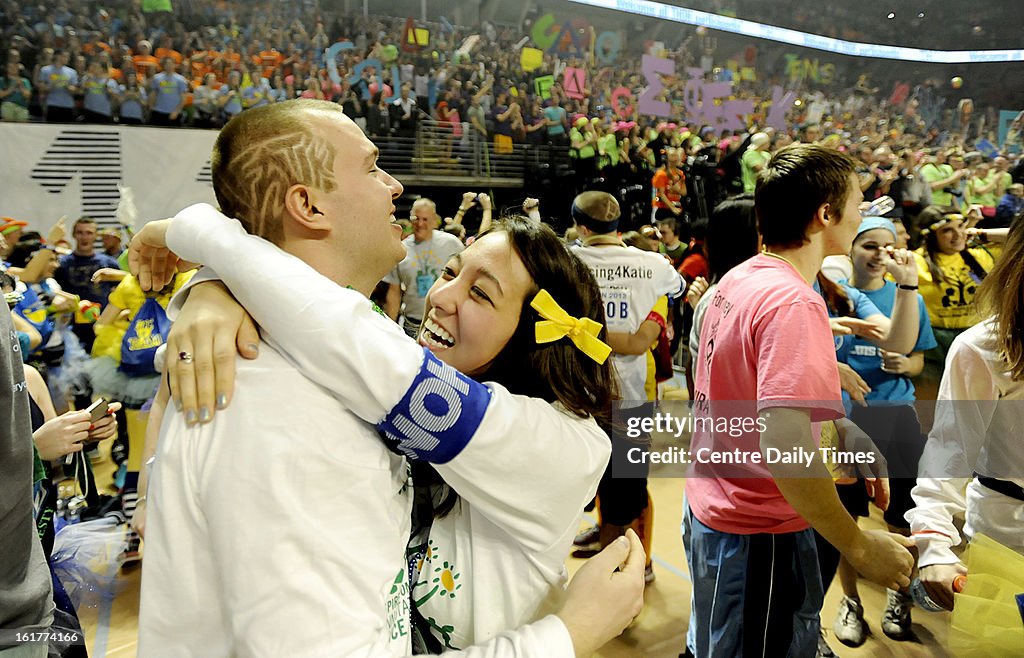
<point>185,357</point>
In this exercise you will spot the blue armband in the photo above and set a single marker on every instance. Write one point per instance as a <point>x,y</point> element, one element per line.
<point>438,415</point>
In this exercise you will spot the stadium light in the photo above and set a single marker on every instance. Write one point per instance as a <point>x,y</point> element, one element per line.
<point>802,39</point>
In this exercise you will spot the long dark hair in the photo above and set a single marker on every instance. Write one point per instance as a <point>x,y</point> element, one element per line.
<point>1001,295</point>
<point>930,216</point>
<point>557,371</point>
<point>731,235</point>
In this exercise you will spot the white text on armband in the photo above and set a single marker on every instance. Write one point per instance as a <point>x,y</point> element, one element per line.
<point>622,272</point>
<point>438,415</point>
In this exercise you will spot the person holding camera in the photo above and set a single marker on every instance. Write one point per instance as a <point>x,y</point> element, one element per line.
<point>944,179</point>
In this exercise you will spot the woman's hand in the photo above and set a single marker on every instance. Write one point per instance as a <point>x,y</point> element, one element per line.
<point>895,364</point>
<point>139,518</point>
<point>107,426</point>
<point>605,595</point>
<point>108,275</point>
<point>696,291</point>
<point>211,327</point>
<point>844,326</point>
<point>853,384</point>
<point>64,303</point>
<point>150,260</point>
<point>938,582</point>
<point>902,265</point>
<point>62,435</point>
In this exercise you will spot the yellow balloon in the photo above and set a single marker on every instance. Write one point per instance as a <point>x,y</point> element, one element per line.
<point>957,82</point>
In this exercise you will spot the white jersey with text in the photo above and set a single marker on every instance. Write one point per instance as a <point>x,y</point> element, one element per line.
<point>631,282</point>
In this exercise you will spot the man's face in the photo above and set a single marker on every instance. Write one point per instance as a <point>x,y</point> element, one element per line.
<point>844,222</point>
<point>1001,163</point>
<point>85,238</point>
<point>361,207</point>
<point>424,221</point>
<point>668,236</point>
<point>111,243</point>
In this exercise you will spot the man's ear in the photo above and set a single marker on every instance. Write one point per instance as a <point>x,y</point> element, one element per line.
<point>300,207</point>
<point>821,216</point>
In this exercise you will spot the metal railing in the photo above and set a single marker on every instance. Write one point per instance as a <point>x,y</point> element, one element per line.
<point>441,155</point>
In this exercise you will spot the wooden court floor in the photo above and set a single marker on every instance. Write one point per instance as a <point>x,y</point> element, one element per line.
<point>658,632</point>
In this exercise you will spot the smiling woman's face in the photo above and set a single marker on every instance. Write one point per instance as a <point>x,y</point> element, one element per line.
<point>473,309</point>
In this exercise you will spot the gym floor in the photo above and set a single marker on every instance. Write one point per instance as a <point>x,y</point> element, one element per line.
<point>111,627</point>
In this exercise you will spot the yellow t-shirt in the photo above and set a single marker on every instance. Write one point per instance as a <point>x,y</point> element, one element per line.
<point>128,294</point>
<point>950,301</point>
<point>651,383</point>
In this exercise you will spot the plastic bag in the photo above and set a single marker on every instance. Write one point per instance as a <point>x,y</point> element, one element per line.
<point>87,556</point>
<point>986,620</point>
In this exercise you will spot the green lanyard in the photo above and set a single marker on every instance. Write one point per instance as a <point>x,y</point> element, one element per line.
<point>373,304</point>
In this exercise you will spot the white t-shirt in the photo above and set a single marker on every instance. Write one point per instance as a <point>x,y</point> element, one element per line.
<point>276,529</point>
<point>421,267</point>
<point>498,559</point>
<point>631,282</point>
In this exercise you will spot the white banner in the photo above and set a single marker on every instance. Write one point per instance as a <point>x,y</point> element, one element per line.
<point>50,170</point>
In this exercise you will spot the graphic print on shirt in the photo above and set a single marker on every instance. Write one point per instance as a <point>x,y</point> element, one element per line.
<point>959,294</point>
<point>398,606</point>
<point>440,580</point>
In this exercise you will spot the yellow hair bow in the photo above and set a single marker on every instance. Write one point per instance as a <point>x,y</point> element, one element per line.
<point>558,324</point>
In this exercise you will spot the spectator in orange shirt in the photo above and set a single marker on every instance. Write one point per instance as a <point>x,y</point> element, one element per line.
<point>166,49</point>
<point>146,66</point>
<point>269,60</point>
<point>669,185</point>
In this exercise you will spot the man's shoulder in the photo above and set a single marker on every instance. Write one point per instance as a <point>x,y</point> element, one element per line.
<point>767,282</point>
<point>447,240</point>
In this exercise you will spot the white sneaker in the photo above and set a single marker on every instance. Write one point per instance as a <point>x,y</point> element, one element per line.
<point>896,621</point>
<point>849,625</point>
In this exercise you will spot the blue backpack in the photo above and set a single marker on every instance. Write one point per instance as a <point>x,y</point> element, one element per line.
<point>145,334</point>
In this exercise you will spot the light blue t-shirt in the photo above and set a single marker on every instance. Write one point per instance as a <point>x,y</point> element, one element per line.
<point>233,106</point>
<point>132,108</point>
<point>97,92</point>
<point>866,359</point>
<point>59,79</point>
<point>169,90</point>
<point>257,95</point>
<point>555,113</point>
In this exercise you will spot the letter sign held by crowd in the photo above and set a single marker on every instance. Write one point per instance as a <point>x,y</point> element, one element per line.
<point>705,102</point>
<point>575,82</point>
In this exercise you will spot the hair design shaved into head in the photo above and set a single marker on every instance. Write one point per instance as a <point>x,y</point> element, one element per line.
<point>264,151</point>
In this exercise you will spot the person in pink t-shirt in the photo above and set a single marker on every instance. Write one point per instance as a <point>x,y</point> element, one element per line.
<point>767,367</point>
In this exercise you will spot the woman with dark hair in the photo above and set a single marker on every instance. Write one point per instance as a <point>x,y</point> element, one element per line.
<point>514,308</point>
<point>949,273</point>
<point>731,238</point>
<point>377,116</point>
<point>972,463</point>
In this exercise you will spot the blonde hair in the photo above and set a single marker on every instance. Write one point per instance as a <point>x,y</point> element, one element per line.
<point>261,153</point>
<point>1001,295</point>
